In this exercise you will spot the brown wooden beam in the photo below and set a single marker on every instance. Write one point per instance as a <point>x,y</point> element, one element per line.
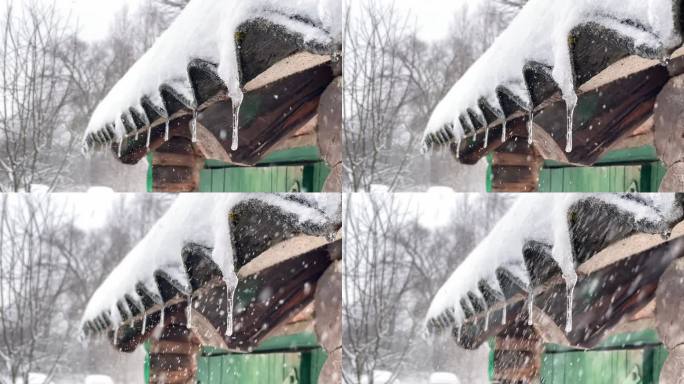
<point>669,315</point>
<point>516,166</point>
<point>669,133</point>
<point>329,132</point>
<point>517,355</point>
<point>176,166</point>
<point>173,357</point>
<point>611,105</point>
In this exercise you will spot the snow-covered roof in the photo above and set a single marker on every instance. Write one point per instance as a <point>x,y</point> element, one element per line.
<point>539,40</point>
<point>203,37</point>
<point>202,221</point>
<point>542,219</point>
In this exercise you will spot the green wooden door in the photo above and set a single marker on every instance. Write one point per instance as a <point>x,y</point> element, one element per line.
<point>625,170</point>
<point>633,358</point>
<point>644,177</point>
<point>286,178</point>
<point>292,170</point>
<point>262,368</point>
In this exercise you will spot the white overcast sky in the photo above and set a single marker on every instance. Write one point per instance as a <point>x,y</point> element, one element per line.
<point>432,16</point>
<point>94,16</point>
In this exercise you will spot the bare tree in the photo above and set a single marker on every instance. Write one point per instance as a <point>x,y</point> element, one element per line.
<point>35,142</point>
<point>94,68</point>
<point>395,266</point>
<point>33,281</point>
<point>377,282</point>
<point>375,96</point>
<point>49,269</point>
<point>394,80</point>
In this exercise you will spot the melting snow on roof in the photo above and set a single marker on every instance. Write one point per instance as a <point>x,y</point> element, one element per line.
<point>542,218</point>
<point>539,34</point>
<point>195,219</point>
<point>204,31</point>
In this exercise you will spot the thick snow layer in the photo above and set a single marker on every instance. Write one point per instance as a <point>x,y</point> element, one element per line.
<point>540,217</point>
<point>200,219</point>
<point>540,34</point>
<point>205,30</point>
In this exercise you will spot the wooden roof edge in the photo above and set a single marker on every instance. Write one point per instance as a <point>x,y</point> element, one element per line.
<point>104,138</point>
<point>619,252</point>
<point>470,147</point>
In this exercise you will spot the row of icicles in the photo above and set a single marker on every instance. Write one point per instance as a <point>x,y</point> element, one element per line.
<point>193,129</point>
<point>230,297</point>
<point>530,309</point>
<point>571,104</point>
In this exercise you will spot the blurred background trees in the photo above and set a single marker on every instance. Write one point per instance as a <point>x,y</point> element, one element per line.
<point>397,256</point>
<point>52,259</point>
<point>51,82</point>
<point>395,79</point>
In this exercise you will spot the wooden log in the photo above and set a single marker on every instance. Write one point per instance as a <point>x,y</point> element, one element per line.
<point>669,122</point>
<point>330,123</point>
<point>334,181</point>
<point>674,179</point>
<point>331,373</point>
<point>670,306</point>
<point>176,166</point>
<point>328,308</point>
<point>173,357</point>
<point>516,167</point>
<point>673,369</point>
<point>517,355</point>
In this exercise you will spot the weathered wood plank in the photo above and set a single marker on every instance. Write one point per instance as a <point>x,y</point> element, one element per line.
<point>674,179</point>
<point>330,123</point>
<point>669,122</point>
<point>328,307</point>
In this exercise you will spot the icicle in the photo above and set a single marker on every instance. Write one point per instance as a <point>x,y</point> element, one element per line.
<point>503,131</point>
<point>166,131</point>
<point>530,126</point>
<point>530,305</point>
<point>144,325</point>
<point>568,314</point>
<point>161,320</point>
<point>458,337</point>
<point>236,122</point>
<point>137,134</point>
<point>230,296</point>
<point>503,316</point>
<point>571,103</point>
<point>194,126</point>
<point>486,143</point>
<point>116,334</point>
<point>121,139</point>
<point>486,321</point>
<point>188,313</point>
<point>149,135</point>
<point>458,148</point>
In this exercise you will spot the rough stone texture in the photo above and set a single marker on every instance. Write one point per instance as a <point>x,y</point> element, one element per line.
<point>334,181</point>
<point>674,178</point>
<point>330,123</point>
<point>673,370</point>
<point>670,306</point>
<point>328,308</point>
<point>669,122</point>
<point>331,373</point>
